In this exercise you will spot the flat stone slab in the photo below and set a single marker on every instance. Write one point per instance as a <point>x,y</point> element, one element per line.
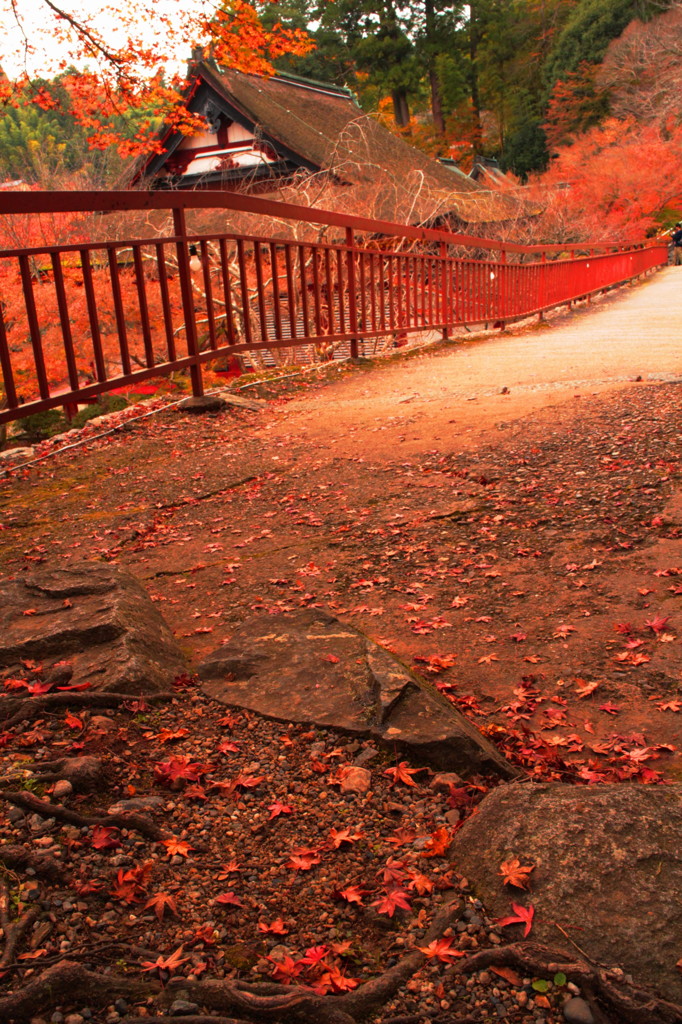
<point>608,871</point>
<point>309,667</point>
<point>97,619</point>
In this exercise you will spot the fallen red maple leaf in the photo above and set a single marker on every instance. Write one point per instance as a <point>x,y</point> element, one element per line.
<point>514,874</point>
<point>402,773</point>
<point>343,835</point>
<point>352,894</point>
<point>176,847</point>
<point>437,844</point>
<point>277,927</point>
<point>278,808</point>
<point>160,902</point>
<point>229,899</point>
<point>441,949</point>
<point>657,623</point>
<point>522,915</point>
<point>169,963</point>
<point>104,838</point>
<point>391,901</point>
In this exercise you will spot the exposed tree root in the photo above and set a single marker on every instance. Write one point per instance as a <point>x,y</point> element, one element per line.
<point>13,931</point>
<point>185,1019</point>
<point>47,810</point>
<point>16,858</point>
<point>60,983</point>
<point>267,1001</point>
<point>84,773</point>
<point>601,988</point>
<point>14,710</point>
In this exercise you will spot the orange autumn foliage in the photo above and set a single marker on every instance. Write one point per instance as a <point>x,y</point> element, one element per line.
<point>121,71</point>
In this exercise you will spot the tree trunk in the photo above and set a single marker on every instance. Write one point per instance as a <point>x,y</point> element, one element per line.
<point>401,110</point>
<point>436,103</point>
<point>474,40</point>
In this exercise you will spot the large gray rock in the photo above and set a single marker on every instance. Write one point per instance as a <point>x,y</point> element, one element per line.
<point>608,870</point>
<point>309,667</point>
<point>96,618</point>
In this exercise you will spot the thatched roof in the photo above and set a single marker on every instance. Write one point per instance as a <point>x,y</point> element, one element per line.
<point>320,128</point>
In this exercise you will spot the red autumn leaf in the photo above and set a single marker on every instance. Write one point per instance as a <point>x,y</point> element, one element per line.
<point>509,975</point>
<point>344,835</point>
<point>170,963</point>
<point>669,705</point>
<point>315,955</point>
<point>331,658</point>
<point>180,767</point>
<point>230,868</point>
<point>279,808</point>
<point>352,894</point>
<point>420,882</point>
<point>168,735</point>
<point>513,873</point>
<point>176,847</point>
<point>609,708</point>
<point>195,792</point>
<point>286,970</point>
<point>335,980</point>
<point>584,689</point>
<point>104,838</point>
<point>441,949</point>
<point>521,915</point>
<point>437,844</point>
<point>248,781</point>
<point>39,688</point>
<point>73,721</point>
<point>129,885</point>
<point>228,747</point>
<point>391,901</point>
<point>229,899</point>
<point>277,927</point>
<point>402,773</point>
<point>303,859</point>
<point>657,623</point>
<point>16,684</point>
<point>437,662</point>
<point>161,902</point>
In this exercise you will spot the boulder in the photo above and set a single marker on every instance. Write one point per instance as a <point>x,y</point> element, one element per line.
<point>311,668</point>
<point>608,871</point>
<point>203,403</point>
<point>95,618</point>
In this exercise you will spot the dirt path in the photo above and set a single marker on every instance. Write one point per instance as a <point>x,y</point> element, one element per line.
<point>522,549</point>
<point>455,395</point>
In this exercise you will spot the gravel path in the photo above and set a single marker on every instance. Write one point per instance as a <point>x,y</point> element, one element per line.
<point>626,335</point>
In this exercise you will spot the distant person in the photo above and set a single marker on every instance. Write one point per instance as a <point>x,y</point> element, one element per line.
<point>677,245</point>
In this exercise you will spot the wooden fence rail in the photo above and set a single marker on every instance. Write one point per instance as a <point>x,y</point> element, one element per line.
<point>80,319</point>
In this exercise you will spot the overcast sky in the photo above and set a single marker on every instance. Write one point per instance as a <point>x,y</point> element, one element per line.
<point>38,27</point>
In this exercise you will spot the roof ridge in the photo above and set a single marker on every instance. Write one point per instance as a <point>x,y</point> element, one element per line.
<point>313,83</point>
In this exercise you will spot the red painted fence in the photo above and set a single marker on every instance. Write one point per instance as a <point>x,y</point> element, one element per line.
<point>92,316</point>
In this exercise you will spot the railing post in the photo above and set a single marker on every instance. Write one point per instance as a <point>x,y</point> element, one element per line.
<point>445,296</point>
<point>542,289</point>
<point>503,289</point>
<point>352,295</point>
<point>180,229</point>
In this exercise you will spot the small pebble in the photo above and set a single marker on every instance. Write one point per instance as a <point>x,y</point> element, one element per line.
<point>183,1008</point>
<point>577,1011</point>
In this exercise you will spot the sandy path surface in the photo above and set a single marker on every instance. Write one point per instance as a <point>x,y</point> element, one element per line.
<point>456,393</point>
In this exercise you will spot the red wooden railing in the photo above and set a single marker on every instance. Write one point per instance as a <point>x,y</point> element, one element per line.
<point>150,306</point>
